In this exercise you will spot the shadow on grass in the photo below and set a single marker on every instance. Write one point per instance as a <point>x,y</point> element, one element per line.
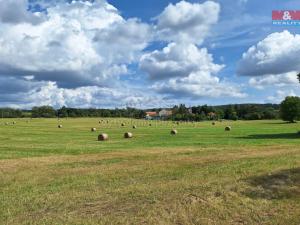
<point>272,136</point>
<point>281,185</point>
<point>276,123</point>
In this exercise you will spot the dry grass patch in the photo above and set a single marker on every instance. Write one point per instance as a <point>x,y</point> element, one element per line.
<point>150,186</point>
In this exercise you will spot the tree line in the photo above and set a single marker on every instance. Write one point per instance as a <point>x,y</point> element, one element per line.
<point>288,110</point>
<point>228,112</point>
<point>179,112</point>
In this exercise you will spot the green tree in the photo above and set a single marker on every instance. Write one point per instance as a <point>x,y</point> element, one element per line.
<point>230,113</point>
<point>62,112</point>
<point>43,111</point>
<point>270,113</point>
<point>290,109</point>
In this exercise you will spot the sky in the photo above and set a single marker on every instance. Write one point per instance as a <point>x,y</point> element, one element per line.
<point>145,54</point>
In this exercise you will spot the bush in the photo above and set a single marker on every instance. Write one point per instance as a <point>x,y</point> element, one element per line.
<point>290,109</point>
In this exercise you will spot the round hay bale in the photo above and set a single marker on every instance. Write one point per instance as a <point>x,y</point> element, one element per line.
<point>128,135</point>
<point>14,122</point>
<point>59,126</point>
<point>134,126</point>
<point>103,137</point>
<point>228,128</point>
<point>174,132</point>
<point>93,129</point>
<point>123,124</point>
<point>6,123</point>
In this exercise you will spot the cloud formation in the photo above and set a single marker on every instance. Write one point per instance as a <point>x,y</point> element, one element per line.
<point>178,60</point>
<point>183,70</point>
<point>187,22</point>
<point>281,80</point>
<point>15,11</point>
<point>77,41</point>
<point>29,93</point>
<point>278,53</point>
<point>86,54</point>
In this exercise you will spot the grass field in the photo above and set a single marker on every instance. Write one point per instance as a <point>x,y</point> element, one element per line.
<point>203,175</point>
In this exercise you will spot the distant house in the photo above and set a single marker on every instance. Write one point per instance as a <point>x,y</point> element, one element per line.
<point>151,115</point>
<point>165,113</point>
<point>212,115</point>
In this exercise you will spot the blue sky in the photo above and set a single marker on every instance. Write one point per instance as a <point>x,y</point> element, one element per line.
<point>142,53</point>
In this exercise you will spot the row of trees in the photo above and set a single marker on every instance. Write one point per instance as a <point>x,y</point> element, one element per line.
<point>288,110</point>
<point>180,112</point>
<point>229,112</point>
<point>49,112</point>
<point>10,113</point>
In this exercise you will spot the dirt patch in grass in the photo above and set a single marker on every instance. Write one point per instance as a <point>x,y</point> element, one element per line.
<point>278,185</point>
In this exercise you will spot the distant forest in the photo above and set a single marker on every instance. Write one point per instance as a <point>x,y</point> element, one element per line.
<point>179,112</point>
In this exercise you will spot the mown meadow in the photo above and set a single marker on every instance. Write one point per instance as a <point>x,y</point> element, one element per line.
<point>202,175</point>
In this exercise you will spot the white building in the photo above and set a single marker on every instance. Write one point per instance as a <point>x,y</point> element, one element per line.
<point>165,113</point>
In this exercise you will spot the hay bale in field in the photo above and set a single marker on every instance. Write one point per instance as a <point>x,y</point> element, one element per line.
<point>59,126</point>
<point>6,123</point>
<point>134,126</point>
<point>103,137</point>
<point>228,128</point>
<point>174,132</point>
<point>123,124</point>
<point>128,135</point>
<point>93,129</point>
<point>14,122</point>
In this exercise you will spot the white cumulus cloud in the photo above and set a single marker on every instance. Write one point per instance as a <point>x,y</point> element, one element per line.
<point>79,43</point>
<point>278,53</point>
<point>280,95</point>
<point>183,70</point>
<point>15,11</point>
<point>178,60</point>
<point>281,80</point>
<point>187,21</point>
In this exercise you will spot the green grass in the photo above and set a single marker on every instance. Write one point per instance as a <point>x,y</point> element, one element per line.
<point>203,175</point>
<point>41,137</point>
